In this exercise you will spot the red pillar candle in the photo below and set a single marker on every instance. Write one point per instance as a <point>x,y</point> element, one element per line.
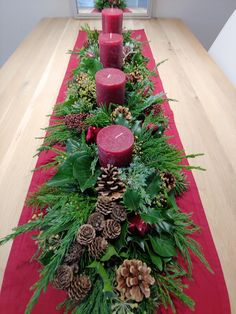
<point>112,20</point>
<point>110,86</point>
<point>110,50</point>
<point>115,146</point>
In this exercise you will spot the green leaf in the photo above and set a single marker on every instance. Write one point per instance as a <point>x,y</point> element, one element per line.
<point>163,246</point>
<point>154,258</point>
<point>83,173</point>
<point>152,216</point>
<point>64,175</point>
<point>120,242</point>
<point>153,185</point>
<point>122,121</point>
<point>90,66</point>
<point>107,286</point>
<point>132,199</point>
<point>137,128</point>
<point>72,146</point>
<point>109,253</point>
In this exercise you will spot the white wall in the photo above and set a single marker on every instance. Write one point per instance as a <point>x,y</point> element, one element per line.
<point>205,18</point>
<point>18,17</point>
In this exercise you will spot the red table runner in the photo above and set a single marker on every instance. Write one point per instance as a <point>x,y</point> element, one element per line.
<point>209,291</point>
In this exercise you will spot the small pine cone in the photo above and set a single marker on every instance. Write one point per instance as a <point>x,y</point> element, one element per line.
<point>63,277</point>
<point>86,234</point>
<point>97,247</point>
<point>74,253</point>
<point>109,183</point>
<point>134,280</point>
<point>79,288</point>
<point>112,229</point>
<point>120,110</point>
<point>104,205</point>
<point>97,221</point>
<point>119,213</point>
<point>135,77</point>
<point>81,78</point>
<point>168,180</point>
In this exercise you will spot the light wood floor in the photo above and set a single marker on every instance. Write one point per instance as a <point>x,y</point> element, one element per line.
<point>205,116</point>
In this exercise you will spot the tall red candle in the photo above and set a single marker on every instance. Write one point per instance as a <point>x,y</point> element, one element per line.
<point>110,86</point>
<point>110,50</point>
<point>112,20</point>
<point>115,146</point>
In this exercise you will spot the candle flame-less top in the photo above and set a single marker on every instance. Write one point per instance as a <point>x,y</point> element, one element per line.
<point>112,11</point>
<point>110,39</point>
<point>115,139</point>
<point>110,76</point>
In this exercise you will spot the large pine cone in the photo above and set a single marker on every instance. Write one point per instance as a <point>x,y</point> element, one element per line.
<point>79,288</point>
<point>134,280</point>
<point>118,213</point>
<point>109,184</point>
<point>97,247</point>
<point>104,205</point>
<point>63,277</point>
<point>97,221</point>
<point>112,229</point>
<point>74,253</point>
<point>86,234</point>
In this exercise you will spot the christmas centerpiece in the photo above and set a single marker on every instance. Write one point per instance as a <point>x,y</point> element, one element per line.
<point>102,4</point>
<point>107,225</point>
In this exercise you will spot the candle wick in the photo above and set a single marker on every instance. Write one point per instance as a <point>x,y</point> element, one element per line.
<point>110,35</point>
<point>118,135</point>
<point>109,75</point>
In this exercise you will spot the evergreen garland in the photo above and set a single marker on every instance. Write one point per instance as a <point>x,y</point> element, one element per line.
<point>66,202</point>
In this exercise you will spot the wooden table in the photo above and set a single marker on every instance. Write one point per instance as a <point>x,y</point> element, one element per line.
<point>205,116</point>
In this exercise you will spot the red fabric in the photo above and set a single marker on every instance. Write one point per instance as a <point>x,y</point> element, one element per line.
<point>209,291</point>
<point>126,10</point>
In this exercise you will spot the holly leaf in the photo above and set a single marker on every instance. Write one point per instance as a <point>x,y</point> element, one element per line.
<point>132,199</point>
<point>83,173</point>
<point>163,246</point>
<point>64,175</point>
<point>107,286</point>
<point>109,253</point>
<point>90,66</point>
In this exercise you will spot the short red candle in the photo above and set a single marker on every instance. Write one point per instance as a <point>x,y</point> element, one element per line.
<point>110,86</point>
<point>110,50</point>
<point>112,20</point>
<point>115,146</point>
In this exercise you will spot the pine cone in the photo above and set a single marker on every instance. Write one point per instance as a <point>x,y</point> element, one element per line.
<point>135,77</point>
<point>63,277</point>
<point>97,247</point>
<point>97,221</point>
<point>112,229</point>
<point>74,253</point>
<point>109,183</point>
<point>79,288</point>
<point>161,200</point>
<point>134,280</point>
<point>118,213</point>
<point>86,234</point>
<point>168,180</point>
<point>120,110</point>
<point>104,205</point>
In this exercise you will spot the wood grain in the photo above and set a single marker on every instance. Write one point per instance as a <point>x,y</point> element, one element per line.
<point>205,116</point>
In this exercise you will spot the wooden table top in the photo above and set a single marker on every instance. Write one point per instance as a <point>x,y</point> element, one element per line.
<point>205,116</point>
